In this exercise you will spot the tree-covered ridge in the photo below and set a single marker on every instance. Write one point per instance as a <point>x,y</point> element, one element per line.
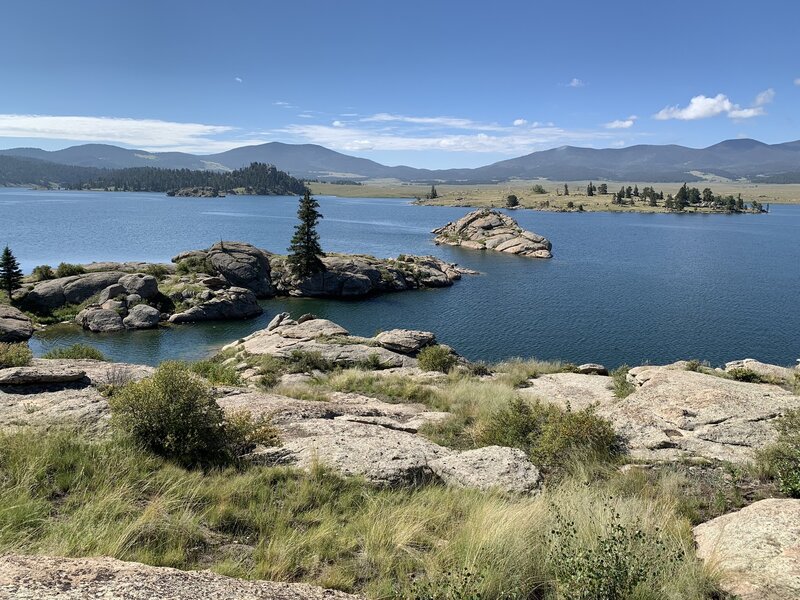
<point>258,178</point>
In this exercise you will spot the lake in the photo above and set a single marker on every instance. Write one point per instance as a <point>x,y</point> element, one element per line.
<point>621,288</point>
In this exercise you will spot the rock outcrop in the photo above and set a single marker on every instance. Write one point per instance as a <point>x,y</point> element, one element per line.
<point>46,296</point>
<point>231,303</point>
<point>767,371</point>
<point>15,326</point>
<point>674,413</point>
<point>142,316</point>
<point>99,319</point>
<point>487,229</point>
<point>236,264</point>
<point>757,549</point>
<point>51,578</point>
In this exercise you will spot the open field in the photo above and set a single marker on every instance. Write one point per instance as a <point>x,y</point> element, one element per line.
<point>495,194</point>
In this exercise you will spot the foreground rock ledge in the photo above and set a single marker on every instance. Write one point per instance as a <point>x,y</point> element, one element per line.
<point>757,548</point>
<point>487,229</point>
<point>46,577</point>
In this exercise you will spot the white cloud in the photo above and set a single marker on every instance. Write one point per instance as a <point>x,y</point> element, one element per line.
<point>576,82</point>
<point>147,134</point>
<point>451,122</point>
<point>337,124</point>
<point>519,122</point>
<point>704,107</point>
<point>238,79</point>
<point>797,81</point>
<point>283,104</point>
<point>622,123</point>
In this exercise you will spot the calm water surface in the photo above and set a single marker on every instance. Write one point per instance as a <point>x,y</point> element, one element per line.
<point>621,288</point>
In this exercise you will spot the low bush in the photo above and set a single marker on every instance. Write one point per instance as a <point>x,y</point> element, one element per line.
<point>157,271</point>
<point>781,460</point>
<point>14,355</point>
<point>550,435</point>
<point>619,378</point>
<point>748,376</point>
<point>436,358</point>
<point>194,264</point>
<point>305,361</point>
<point>68,270</point>
<point>216,372</point>
<point>76,351</point>
<point>43,272</point>
<point>174,415</point>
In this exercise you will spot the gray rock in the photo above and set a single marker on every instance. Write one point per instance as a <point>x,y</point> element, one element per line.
<point>486,229</point>
<point>15,326</point>
<point>132,300</point>
<point>99,320</point>
<point>492,467</point>
<point>768,371</point>
<point>592,369</point>
<point>405,341</point>
<point>145,286</point>
<point>111,292</point>
<point>277,320</point>
<point>243,265</point>
<point>233,303</point>
<point>51,578</point>
<point>86,286</point>
<point>49,295</point>
<point>40,374</point>
<point>117,306</point>
<point>213,283</point>
<point>142,316</point>
<point>757,549</point>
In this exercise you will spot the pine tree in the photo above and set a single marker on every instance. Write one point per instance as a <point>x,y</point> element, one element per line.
<point>434,194</point>
<point>10,273</point>
<point>566,190</point>
<point>590,189</point>
<point>305,251</point>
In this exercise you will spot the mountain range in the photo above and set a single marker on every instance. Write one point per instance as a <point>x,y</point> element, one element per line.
<point>732,159</point>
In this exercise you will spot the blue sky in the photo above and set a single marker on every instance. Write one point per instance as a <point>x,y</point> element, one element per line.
<point>429,84</point>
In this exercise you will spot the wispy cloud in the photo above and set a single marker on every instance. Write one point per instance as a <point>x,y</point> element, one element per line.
<point>797,81</point>
<point>520,122</point>
<point>621,123</point>
<point>576,83</point>
<point>283,104</point>
<point>147,134</point>
<point>238,79</point>
<point>704,107</point>
<point>447,122</point>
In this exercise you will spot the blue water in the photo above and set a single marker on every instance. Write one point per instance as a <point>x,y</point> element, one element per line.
<point>621,288</point>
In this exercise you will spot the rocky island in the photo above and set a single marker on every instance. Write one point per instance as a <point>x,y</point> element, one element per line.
<point>487,229</point>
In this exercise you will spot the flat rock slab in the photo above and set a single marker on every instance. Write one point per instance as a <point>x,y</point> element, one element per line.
<point>46,578</point>
<point>775,372</point>
<point>492,467</point>
<point>40,375</point>
<point>571,389</point>
<point>84,408</point>
<point>758,549</point>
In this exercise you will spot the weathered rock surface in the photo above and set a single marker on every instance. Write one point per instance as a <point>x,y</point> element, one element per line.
<point>142,316</point>
<point>674,413</point>
<point>592,369</point>
<point>405,341</point>
<point>237,264</point>
<point>15,326</point>
<point>46,578</point>
<point>231,303</point>
<point>146,286</point>
<point>492,467</point>
<point>487,229</point>
<point>111,292</point>
<point>765,370</point>
<point>40,374</point>
<point>54,293</point>
<point>757,548</point>
<point>99,320</point>
<point>128,267</point>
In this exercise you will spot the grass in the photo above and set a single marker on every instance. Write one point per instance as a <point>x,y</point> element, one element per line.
<point>14,355</point>
<point>75,352</point>
<point>517,371</point>
<point>216,373</point>
<point>619,379</point>
<point>65,495</point>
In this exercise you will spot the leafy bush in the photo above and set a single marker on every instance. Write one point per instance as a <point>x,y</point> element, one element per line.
<point>174,415</point>
<point>304,361</point>
<point>157,271</point>
<point>781,460</point>
<point>619,377</point>
<point>76,351</point>
<point>43,272</point>
<point>551,436</point>
<point>538,189</point>
<point>371,363</point>
<point>436,358</point>
<point>748,376</point>
<point>68,270</point>
<point>14,355</point>
<point>512,201</point>
<point>194,264</point>
<point>216,372</point>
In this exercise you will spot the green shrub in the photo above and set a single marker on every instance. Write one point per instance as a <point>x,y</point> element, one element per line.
<point>619,377</point>
<point>550,435</point>
<point>14,355</point>
<point>305,361</point>
<point>68,270</point>
<point>436,358</point>
<point>157,271</point>
<point>43,272</point>
<point>174,415</point>
<point>781,460</point>
<point>216,372</point>
<point>194,264</point>
<point>694,365</point>
<point>748,376</point>
<point>538,189</point>
<point>76,351</point>
<point>371,363</point>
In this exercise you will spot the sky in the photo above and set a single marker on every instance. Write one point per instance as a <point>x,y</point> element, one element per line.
<point>434,84</point>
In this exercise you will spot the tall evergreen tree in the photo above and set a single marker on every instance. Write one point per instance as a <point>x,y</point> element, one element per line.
<point>305,250</point>
<point>566,190</point>
<point>590,189</point>
<point>10,273</point>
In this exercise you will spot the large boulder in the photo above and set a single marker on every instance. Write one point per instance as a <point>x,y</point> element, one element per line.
<point>142,316</point>
<point>86,286</point>
<point>40,374</point>
<point>405,341</point>
<point>55,293</point>
<point>15,326</point>
<point>237,264</point>
<point>51,578</point>
<point>99,320</point>
<point>232,303</point>
<point>486,229</point>
<point>146,286</point>
<point>111,292</point>
<point>757,549</point>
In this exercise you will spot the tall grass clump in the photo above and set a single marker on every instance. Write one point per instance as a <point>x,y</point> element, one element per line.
<point>173,414</point>
<point>781,460</point>
<point>517,371</point>
<point>436,358</point>
<point>389,388</point>
<point>14,354</point>
<point>76,352</point>
<point>619,379</point>
<point>216,373</point>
